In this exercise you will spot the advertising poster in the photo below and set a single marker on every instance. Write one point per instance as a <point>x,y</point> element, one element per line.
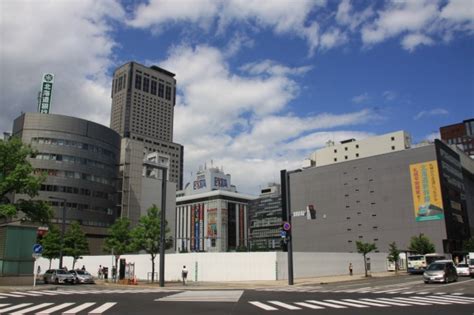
<point>241,225</point>
<point>426,190</point>
<point>196,227</point>
<point>192,227</point>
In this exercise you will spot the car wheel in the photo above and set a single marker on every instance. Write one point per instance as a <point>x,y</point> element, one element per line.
<point>45,281</point>
<point>426,282</point>
<point>56,281</point>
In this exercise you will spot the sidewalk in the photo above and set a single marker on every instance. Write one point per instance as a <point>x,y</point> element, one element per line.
<point>201,285</point>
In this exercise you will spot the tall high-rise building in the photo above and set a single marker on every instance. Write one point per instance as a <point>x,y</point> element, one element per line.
<point>461,135</point>
<point>143,100</point>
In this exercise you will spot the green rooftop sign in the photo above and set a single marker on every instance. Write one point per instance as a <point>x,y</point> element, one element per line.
<point>44,100</point>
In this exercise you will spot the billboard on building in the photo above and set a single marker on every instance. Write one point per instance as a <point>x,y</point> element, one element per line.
<point>46,94</point>
<point>426,190</point>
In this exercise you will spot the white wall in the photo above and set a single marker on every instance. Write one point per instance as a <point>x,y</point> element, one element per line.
<point>201,266</point>
<point>245,266</point>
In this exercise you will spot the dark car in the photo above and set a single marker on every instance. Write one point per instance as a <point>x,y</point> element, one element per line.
<point>58,276</point>
<point>82,276</point>
<point>440,271</point>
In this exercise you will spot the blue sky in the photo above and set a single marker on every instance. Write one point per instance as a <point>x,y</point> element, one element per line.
<point>261,84</point>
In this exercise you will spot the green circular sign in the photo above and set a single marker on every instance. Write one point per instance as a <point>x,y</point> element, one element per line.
<point>48,77</point>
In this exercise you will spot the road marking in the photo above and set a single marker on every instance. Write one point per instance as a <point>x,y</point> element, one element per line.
<point>2,305</point>
<point>346,303</point>
<point>25,293</point>
<point>423,292</point>
<point>326,304</point>
<point>314,307</point>
<point>32,308</point>
<point>11,295</point>
<point>366,303</point>
<point>390,302</point>
<point>263,306</point>
<point>457,294</point>
<point>204,296</point>
<point>445,298</point>
<point>408,292</point>
<point>434,301</point>
<point>284,305</point>
<point>54,309</point>
<point>455,283</point>
<point>102,308</point>
<point>462,297</point>
<point>14,307</point>
<point>43,293</point>
<point>407,300</point>
<point>79,308</point>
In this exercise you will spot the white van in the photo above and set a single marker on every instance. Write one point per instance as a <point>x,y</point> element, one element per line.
<point>471,264</point>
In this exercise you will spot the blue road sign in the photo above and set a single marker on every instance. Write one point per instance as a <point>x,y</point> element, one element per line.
<point>37,249</point>
<point>283,234</point>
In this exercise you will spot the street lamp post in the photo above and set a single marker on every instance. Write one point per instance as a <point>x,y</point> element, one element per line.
<point>63,230</point>
<point>162,226</point>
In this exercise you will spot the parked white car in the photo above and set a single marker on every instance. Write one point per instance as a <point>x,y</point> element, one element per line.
<point>462,269</point>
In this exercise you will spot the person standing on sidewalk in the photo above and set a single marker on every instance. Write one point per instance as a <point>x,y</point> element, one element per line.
<point>184,274</point>
<point>350,269</point>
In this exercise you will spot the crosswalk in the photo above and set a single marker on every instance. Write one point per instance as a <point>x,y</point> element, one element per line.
<point>49,308</point>
<point>429,300</point>
<point>22,294</point>
<point>373,290</point>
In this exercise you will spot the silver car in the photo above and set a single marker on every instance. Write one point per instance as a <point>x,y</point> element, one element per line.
<point>82,276</point>
<point>440,271</point>
<point>58,276</point>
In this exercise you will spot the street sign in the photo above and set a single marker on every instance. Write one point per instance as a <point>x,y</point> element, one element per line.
<point>283,234</point>
<point>36,255</point>
<point>45,96</point>
<point>37,249</point>
<point>286,226</point>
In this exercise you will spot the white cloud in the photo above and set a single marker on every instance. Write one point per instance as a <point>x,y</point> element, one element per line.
<point>333,38</point>
<point>362,98</point>
<point>389,95</point>
<point>411,41</point>
<point>71,39</point>
<point>282,16</point>
<point>432,136</point>
<point>240,120</point>
<point>345,15</point>
<point>432,112</point>
<point>459,11</point>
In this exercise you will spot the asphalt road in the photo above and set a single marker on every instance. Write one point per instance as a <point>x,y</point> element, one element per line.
<point>372,296</point>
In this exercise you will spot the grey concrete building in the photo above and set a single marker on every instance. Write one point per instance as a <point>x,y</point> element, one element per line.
<point>80,159</point>
<point>265,219</point>
<point>385,198</point>
<point>143,100</point>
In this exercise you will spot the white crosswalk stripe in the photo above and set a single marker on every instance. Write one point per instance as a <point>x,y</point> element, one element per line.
<point>346,303</point>
<point>263,306</point>
<point>385,302</point>
<point>32,308</point>
<point>48,308</point>
<point>367,303</point>
<point>451,299</point>
<point>326,304</point>
<point>311,306</point>
<point>284,305</point>
<point>54,309</point>
<point>409,301</point>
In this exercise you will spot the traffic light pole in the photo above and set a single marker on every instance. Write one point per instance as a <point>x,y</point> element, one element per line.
<point>285,200</point>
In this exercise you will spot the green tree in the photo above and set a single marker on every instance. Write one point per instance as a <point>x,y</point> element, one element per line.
<point>51,243</point>
<point>16,177</point>
<point>421,245</point>
<point>146,235</point>
<point>393,254</point>
<point>75,243</point>
<point>119,240</point>
<point>364,249</point>
<point>468,245</point>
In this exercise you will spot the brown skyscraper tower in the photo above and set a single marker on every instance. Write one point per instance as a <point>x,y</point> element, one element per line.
<point>143,100</point>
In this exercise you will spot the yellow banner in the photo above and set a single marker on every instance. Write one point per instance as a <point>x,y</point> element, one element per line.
<point>426,190</point>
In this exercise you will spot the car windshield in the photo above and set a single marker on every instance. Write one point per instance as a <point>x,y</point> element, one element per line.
<point>83,273</point>
<point>463,265</point>
<point>415,258</point>
<point>434,267</point>
<point>61,272</point>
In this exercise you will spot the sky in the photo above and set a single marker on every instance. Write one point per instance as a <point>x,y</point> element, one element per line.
<point>261,84</point>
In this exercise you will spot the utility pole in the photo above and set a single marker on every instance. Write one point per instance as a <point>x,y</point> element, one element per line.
<point>163,226</point>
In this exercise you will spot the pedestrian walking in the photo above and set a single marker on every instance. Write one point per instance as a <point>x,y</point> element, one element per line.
<point>184,274</point>
<point>350,269</point>
<point>99,272</point>
<point>83,268</point>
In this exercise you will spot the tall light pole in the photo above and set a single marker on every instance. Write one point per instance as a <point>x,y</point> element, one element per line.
<point>63,230</point>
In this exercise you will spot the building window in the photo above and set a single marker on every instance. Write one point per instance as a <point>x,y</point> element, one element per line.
<point>345,148</point>
<point>357,146</point>
<point>153,87</point>
<point>393,138</point>
<point>357,154</point>
<point>335,151</point>
<point>168,93</point>
<point>146,85</point>
<point>138,81</point>
<point>161,89</point>
<point>345,157</point>
<point>335,159</point>
<point>393,147</point>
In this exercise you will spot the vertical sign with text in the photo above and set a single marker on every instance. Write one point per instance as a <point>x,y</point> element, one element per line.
<point>46,93</point>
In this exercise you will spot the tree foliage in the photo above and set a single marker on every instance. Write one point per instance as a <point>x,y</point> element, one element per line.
<point>364,249</point>
<point>75,243</point>
<point>146,235</point>
<point>421,245</point>
<point>51,243</point>
<point>16,177</point>
<point>393,254</point>
<point>119,240</point>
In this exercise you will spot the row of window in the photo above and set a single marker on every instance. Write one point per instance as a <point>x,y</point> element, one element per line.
<point>71,159</point>
<point>77,191</point>
<point>83,222</point>
<point>150,86</point>
<point>119,83</point>
<point>79,206</point>
<point>74,144</point>
<point>74,175</point>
